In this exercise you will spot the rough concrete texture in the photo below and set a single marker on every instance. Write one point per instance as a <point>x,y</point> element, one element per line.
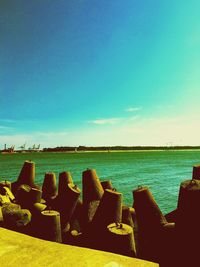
<point>22,250</point>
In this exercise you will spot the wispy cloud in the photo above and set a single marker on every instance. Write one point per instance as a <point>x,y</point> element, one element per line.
<point>7,120</point>
<point>133,109</point>
<point>105,121</point>
<point>3,127</point>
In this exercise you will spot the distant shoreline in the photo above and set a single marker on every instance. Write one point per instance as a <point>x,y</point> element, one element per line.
<point>84,149</point>
<point>118,148</point>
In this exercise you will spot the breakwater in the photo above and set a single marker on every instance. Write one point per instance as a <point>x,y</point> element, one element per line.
<point>162,171</point>
<point>100,220</point>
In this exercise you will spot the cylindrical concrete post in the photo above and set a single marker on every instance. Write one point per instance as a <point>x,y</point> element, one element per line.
<point>49,188</point>
<point>51,229</point>
<point>121,239</point>
<point>196,172</point>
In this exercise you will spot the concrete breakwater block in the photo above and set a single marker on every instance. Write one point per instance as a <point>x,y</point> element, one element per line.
<point>108,211</point>
<point>49,187</point>
<point>50,226</point>
<point>14,217</point>
<point>187,223</point>
<point>36,219</point>
<point>188,205</point>
<point>90,210</point>
<point>188,216</point>
<point>92,188</point>
<point>64,179</point>
<point>6,195</point>
<point>66,203</point>
<point>196,172</point>
<point>106,184</point>
<point>37,208</point>
<point>150,222</point>
<point>9,193</point>
<point>121,239</point>
<point>77,220</point>
<point>4,199</point>
<point>92,194</point>
<point>9,207</point>
<point>26,195</point>
<point>127,216</point>
<point>26,176</point>
<point>149,215</point>
<point>5,183</point>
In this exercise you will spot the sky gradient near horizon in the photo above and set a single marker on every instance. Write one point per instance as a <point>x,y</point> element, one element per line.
<point>90,72</point>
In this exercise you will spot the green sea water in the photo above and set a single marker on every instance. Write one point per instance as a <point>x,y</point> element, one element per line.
<point>161,171</point>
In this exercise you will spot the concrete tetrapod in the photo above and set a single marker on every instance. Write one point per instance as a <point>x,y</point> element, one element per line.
<point>151,232</point>
<point>196,172</point>
<point>6,196</point>
<point>188,205</point>
<point>5,184</point>
<point>108,211</point>
<point>92,194</point>
<point>121,239</point>
<point>127,216</point>
<point>35,228</point>
<point>26,176</point>
<point>27,196</point>
<point>5,192</point>
<point>77,220</point>
<point>188,221</point>
<point>49,188</point>
<point>66,203</point>
<point>64,179</point>
<point>92,188</point>
<point>106,184</point>
<point>14,217</point>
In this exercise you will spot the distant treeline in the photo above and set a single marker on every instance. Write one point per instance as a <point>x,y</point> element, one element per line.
<point>114,148</point>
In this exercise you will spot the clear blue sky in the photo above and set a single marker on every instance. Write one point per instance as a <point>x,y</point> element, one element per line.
<point>90,72</point>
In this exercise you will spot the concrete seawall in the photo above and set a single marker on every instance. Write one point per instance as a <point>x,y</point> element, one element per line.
<point>17,249</point>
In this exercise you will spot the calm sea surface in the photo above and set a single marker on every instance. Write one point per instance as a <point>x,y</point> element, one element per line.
<point>161,171</point>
